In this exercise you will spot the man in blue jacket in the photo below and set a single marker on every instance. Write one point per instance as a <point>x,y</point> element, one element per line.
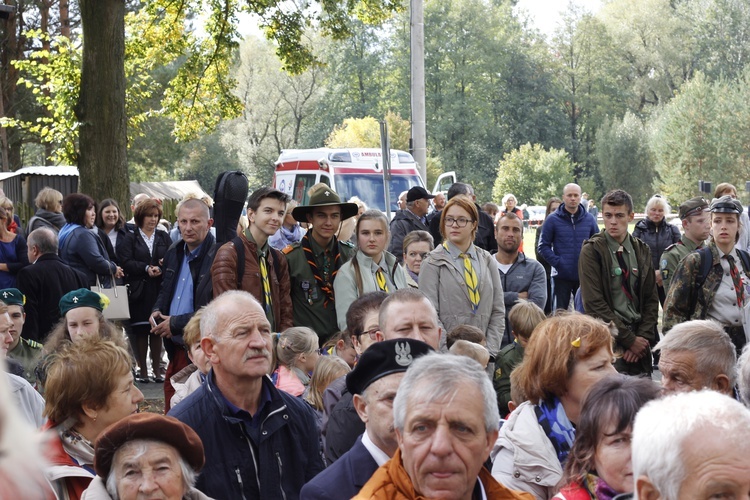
<point>259,442</point>
<point>563,233</point>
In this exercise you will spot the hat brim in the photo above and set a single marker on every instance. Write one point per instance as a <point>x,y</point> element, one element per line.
<point>347,210</point>
<point>725,210</point>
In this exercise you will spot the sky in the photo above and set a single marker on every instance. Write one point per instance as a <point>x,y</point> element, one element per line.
<point>546,13</point>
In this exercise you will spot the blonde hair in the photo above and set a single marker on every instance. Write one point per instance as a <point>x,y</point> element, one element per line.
<point>289,344</point>
<point>524,317</point>
<point>48,199</point>
<point>192,331</point>
<point>469,349</point>
<point>327,369</point>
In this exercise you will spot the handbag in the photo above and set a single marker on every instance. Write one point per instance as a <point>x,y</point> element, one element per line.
<point>119,307</point>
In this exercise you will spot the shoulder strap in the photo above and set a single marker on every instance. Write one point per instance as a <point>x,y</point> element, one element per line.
<point>745,258</point>
<point>706,263</point>
<point>276,256</point>
<point>240,249</point>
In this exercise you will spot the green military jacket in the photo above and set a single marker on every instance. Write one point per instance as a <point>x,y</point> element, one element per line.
<point>509,357</point>
<point>310,305</point>
<point>27,352</point>
<point>672,256</point>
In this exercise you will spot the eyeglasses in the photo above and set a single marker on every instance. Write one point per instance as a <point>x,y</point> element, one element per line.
<point>460,222</point>
<point>421,255</point>
<point>373,333</point>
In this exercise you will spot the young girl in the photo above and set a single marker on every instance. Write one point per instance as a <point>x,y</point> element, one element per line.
<point>294,354</point>
<point>372,269</point>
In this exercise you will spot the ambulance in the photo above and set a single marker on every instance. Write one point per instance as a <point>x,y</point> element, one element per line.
<point>350,172</point>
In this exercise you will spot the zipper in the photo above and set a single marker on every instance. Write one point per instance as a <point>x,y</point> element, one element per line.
<point>239,481</point>
<point>281,476</point>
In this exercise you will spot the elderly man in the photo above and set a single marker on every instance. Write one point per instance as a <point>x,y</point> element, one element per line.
<point>446,421</point>
<point>411,218</point>
<point>405,313</point>
<point>260,442</point>
<point>697,355</point>
<point>146,455</point>
<point>186,285</point>
<point>692,446</point>
<point>373,382</point>
<point>44,283</point>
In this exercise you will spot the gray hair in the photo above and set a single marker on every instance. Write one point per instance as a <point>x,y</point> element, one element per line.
<point>664,426</point>
<point>212,313</point>
<point>658,199</point>
<point>743,369</point>
<point>714,351</point>
<point>438,377</point>
<point>44,239</point>
<point>404,295</point>
<point>141,447</point>
<point>459,188</point>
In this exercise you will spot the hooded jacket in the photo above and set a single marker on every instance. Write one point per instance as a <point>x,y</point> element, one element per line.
<point>563,235</point>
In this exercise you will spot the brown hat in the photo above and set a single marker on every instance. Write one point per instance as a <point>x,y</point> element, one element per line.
<point>693,206</point>
<point>151,426</point>
<point>324,196</point>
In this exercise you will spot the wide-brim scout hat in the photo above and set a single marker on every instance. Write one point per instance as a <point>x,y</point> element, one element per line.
<point>324,197</point>
<point>726,204</point>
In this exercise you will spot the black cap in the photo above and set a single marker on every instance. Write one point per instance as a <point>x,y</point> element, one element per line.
<point>726,204</point>
<point>418,193</point>
<point>693,206</point>
<point>384,358</point>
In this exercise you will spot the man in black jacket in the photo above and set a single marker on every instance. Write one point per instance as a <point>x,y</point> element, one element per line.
<point>411,218</point>
<point>485,237</point>
<point>186,286</point>
<point>44,283</point>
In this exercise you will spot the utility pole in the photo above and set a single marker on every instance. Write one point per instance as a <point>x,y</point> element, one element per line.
<point>418,121</point>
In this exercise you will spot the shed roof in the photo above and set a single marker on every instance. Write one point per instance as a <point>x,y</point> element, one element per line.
<point>167,190</point>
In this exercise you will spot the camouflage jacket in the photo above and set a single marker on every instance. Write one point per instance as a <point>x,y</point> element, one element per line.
<point>684,300</point>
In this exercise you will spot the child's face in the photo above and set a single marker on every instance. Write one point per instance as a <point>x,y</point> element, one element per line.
<point>199,358</point>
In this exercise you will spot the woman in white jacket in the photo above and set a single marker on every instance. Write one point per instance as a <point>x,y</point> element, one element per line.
<point>372,269</point>
<point>566,355</point>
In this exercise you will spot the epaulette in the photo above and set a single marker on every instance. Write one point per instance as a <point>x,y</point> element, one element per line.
<point>670,247</point>
<point>287,249</point>
<point>33,343</point>
<point>347,243</point>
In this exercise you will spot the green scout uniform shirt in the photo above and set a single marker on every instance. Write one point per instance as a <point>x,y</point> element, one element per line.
<point>27,352</point>
<point>509,357</point>
<point>308,300</point>
<point>673,255</point>
<point>627,309</point>
<point>262,252</point>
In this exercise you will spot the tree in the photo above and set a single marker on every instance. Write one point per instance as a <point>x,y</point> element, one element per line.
<point>532,174</point>
<point>624,156</point>
<point>365,133</point>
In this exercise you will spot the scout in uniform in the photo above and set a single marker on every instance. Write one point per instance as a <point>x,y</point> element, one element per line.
<point>618,284</point>
<point>696,224</point>
<point>315,260</point>
<point>26,352</point>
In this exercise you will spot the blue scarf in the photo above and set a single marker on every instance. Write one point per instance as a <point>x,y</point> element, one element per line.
<point>551,416</point>
<point>66,230</point>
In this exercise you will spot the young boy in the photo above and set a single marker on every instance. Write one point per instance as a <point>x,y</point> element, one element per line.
<point>524,316</point>
<point>192,376</point>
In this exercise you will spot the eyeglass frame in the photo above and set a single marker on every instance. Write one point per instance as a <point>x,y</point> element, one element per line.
<point>450,222</point>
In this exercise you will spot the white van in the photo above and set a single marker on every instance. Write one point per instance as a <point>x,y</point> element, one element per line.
<point>350,172</point>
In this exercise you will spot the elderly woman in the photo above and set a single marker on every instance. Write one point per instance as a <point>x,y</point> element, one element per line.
<point>460,279</point>
<point>111,226</point>
<point>417,245</point>
<point>565,357</point>
<point>658,234</point>
<point>710,283</point>
<point>49,211</point>
<point>89,387</point>
<point>147,456</point>
<point>142,254</point>
<point>13,223</point>
<point>80,248</point>
<point>13,252</point>
<point>599,466</point>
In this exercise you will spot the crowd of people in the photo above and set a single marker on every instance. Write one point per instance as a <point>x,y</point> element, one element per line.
<point>326,352</point>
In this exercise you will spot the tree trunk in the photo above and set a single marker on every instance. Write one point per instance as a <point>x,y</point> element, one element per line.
<point>102,162</point>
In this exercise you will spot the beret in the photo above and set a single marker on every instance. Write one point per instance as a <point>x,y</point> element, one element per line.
<point>12,297</point>
<point>150,426</point>
<point>83,297</point>
<point>384,358</point>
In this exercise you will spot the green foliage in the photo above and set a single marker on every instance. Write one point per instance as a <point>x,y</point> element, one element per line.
<point>624,157</point>
<point>365,133</point>
<point>532,174</point>
<point>53,77</point>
